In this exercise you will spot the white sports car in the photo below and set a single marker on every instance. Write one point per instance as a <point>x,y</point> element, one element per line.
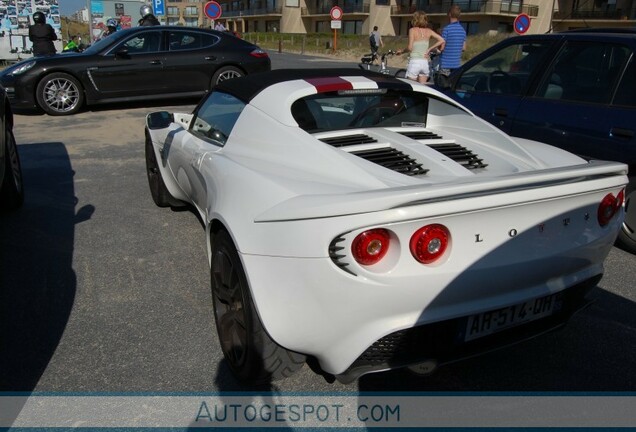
<point>368,223</point>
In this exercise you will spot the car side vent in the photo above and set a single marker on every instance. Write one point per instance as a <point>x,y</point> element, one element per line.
<point>460,154</point>
<point>421,135</point>
<point>348,140</point>
<point>336,254</point>
<point>392,159</point>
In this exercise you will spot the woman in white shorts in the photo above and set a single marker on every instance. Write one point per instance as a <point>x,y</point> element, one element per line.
<point>420,47</point>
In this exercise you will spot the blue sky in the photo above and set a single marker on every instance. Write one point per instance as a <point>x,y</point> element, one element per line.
<point>67,7</point>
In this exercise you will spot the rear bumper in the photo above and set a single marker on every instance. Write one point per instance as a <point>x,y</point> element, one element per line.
<point>443,342</point>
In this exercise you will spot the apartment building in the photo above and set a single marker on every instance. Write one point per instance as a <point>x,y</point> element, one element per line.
<point>393,16</point>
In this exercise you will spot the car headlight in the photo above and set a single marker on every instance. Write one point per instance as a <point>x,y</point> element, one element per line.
<point>22,68</point>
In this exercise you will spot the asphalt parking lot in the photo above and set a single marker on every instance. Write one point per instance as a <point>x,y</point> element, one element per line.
<point>102,291</point>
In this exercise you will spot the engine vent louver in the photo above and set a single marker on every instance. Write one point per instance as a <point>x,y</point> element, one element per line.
<point>336,254</point>
<point>421,135</point>
<point>460,154</point>
<point>349,140</point>
<point>392,159</point>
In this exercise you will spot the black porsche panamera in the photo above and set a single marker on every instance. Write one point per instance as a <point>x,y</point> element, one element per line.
<point>140,63</point>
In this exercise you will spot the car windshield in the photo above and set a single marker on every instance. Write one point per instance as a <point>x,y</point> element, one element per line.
<point>360,108</point>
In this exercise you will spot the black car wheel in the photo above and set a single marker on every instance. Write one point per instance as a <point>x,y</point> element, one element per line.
<point>60,94</point>
<point>12,193</point>
<point>226,73</point>
<point>627,234</point>
<point>160,194</point>
<point>251,354</point>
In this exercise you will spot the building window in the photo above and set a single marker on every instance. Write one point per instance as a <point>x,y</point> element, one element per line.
<point>352,27</point>
<point>471,27</point>
<point>323,26</point>
<point>173,21</point>
<point>272,26</point>
<point>383,2</point>
<point>191,10</point>
<point>172,10</point>
<point>192,22</point>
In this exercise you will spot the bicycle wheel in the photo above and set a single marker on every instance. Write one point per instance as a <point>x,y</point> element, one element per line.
<point>401,73</point>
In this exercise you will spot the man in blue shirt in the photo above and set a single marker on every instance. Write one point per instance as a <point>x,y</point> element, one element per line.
<point>454,37</point>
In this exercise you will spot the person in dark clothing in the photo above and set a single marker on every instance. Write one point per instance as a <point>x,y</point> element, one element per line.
<point>147,18</point>
<point>42,36</point>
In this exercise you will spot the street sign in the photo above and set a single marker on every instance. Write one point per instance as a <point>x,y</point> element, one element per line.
<point>212,10</point>
<point>336,13</point>
<point>158,7</point>
<point>336,24</point>
<point>521,23</point>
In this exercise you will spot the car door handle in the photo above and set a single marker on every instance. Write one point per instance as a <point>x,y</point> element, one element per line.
<point>621,133</point>
<point>210,58</point>
<point>155,62</point>
<point>501,112</point>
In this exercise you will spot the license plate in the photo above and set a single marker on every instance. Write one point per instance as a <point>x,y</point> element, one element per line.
<point>487,323</point>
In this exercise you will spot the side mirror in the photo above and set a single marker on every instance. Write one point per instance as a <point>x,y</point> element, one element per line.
<point>159,119</point>
<point>122,53</point>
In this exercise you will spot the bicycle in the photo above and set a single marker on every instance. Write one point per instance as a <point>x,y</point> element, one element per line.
<point>366,62</point>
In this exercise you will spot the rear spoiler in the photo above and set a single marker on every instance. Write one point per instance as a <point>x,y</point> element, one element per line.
<point>545,184</point>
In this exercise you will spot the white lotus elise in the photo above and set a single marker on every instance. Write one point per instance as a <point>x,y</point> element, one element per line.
<point>368,223</point>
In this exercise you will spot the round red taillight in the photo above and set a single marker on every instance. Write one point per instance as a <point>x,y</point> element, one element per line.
<point>371,246</point>
<point>620,198</point>
<point>607,209</point>
<point>429,243</point>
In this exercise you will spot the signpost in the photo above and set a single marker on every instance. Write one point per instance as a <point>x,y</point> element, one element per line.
<point>521,23</point>
<point>336,23</point>
<point>212,10</point>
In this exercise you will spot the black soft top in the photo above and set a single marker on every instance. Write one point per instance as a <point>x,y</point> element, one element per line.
<point>246,88</point>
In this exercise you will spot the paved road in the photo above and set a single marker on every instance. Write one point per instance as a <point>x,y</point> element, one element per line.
<point>103,291</point>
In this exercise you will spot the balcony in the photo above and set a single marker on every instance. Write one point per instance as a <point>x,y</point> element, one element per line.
<point>478,6</point>
<point>362,8</point>
<point>277,10</point>
<point>597,14</point>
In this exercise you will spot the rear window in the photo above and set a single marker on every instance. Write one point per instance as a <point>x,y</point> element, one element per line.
<point>626,93</point>
<point>185,40</point>
<point>360,108</point>
<point>585,71</point>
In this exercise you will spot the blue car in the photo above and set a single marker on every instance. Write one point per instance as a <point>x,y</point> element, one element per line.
<point>575,90</point>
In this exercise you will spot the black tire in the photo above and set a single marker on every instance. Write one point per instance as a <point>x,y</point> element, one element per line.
<point>225,73</point>
<point>160,194</point>
<point>401,73</point>
<point>251,354</point>
<point>60,94</point>
<point>627,234</point>
<point>12,193</point>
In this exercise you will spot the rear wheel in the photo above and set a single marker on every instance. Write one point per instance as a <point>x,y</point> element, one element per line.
<point>60,94</point>
<point>12,192</point>
<point>251,354</point>
<point>627,234</point>
<point>226,73</point>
